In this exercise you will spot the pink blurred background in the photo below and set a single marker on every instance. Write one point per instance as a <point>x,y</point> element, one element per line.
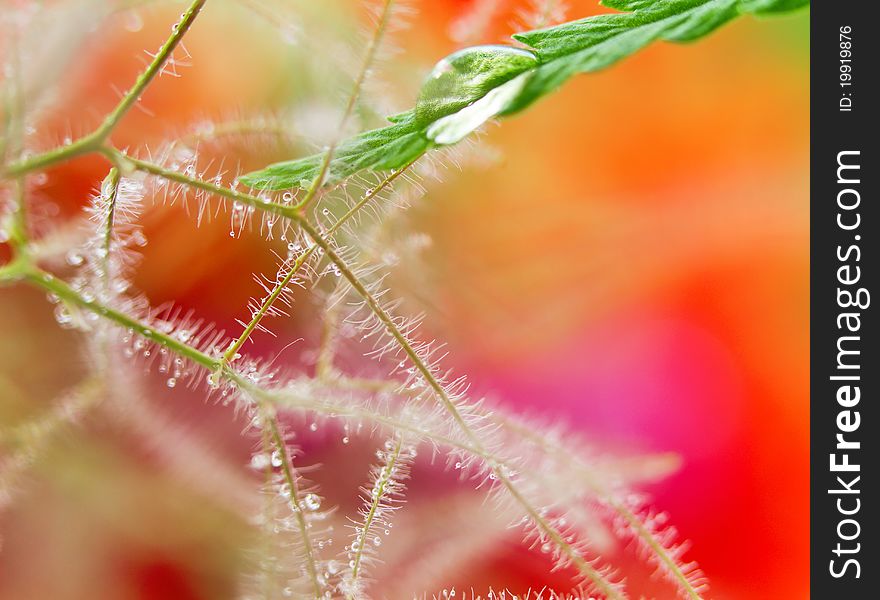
<point>630,258</point>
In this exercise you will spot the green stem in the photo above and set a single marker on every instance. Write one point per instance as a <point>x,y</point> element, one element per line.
<point>298,511</point>
<point>92,142</point>
<point>385,476</point>
<point>63,291</point>
<point>152,70</point>
<point>14,271</point>
<point>233,349</point>
<point>262,204</point>
<point>84,145</point>
<point>318,181</point>
<point>112,189</point>
<point>291,213</point>
<point>582,565</point>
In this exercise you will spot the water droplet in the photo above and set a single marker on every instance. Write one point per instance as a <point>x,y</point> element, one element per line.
<point>468,75</point>
<point>171,382</point>
<point>74,258</point>
<point>276,459</point>
<point>260,461</point>
<point>63,316</point>
<point>213,380</point>
<point>311,502</point>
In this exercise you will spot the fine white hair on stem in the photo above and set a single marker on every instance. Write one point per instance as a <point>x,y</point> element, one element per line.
<point>295,507</point>
<point>380,498</point>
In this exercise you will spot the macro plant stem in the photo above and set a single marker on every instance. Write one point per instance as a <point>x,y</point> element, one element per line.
<point>112,183</point>
<point>63,291</point>
<point>280,286</point>
<point>263,204</point>
<point>439,392</point>
<point>382,315</point>
<point>92,142</point>
<point>289,474</point>
<point>377,496</point>
<point>659,550</point>
<point>375,40</point>
<point>18,226</point>
<point>53,285</point>
<point>639,528</point>
<point>557,53</point>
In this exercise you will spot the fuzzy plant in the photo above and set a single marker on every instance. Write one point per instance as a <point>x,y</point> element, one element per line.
<point>320,216</point>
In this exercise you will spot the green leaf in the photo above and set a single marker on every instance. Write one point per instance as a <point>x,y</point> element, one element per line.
<point>386,148</point>
<point>473,85</point>
<point>759,7</point>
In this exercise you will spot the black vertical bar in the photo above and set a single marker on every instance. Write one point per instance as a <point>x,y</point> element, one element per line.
<point>845,561</point>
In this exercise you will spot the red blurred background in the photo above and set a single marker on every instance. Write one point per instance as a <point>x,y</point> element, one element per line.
<point>629,256</point>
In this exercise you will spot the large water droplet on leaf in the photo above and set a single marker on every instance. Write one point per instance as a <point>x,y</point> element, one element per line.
<point>466,76</point>
<point>455,127</point>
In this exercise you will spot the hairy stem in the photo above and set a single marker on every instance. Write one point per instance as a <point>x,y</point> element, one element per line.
<point>558,454</point>
<point>295,501</point>
<point>92,142</point>
<point>378,495</point>
<point>280,286</point>
<point>58,287</point>
<point>400,338</point>
<point>583,566</point>
<point>375,40</point>
<point>111,188</point>
<point>263,204</point>
<point>63,291</point>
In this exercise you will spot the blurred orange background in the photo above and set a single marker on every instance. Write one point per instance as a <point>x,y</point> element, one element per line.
<point>629,256</point>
